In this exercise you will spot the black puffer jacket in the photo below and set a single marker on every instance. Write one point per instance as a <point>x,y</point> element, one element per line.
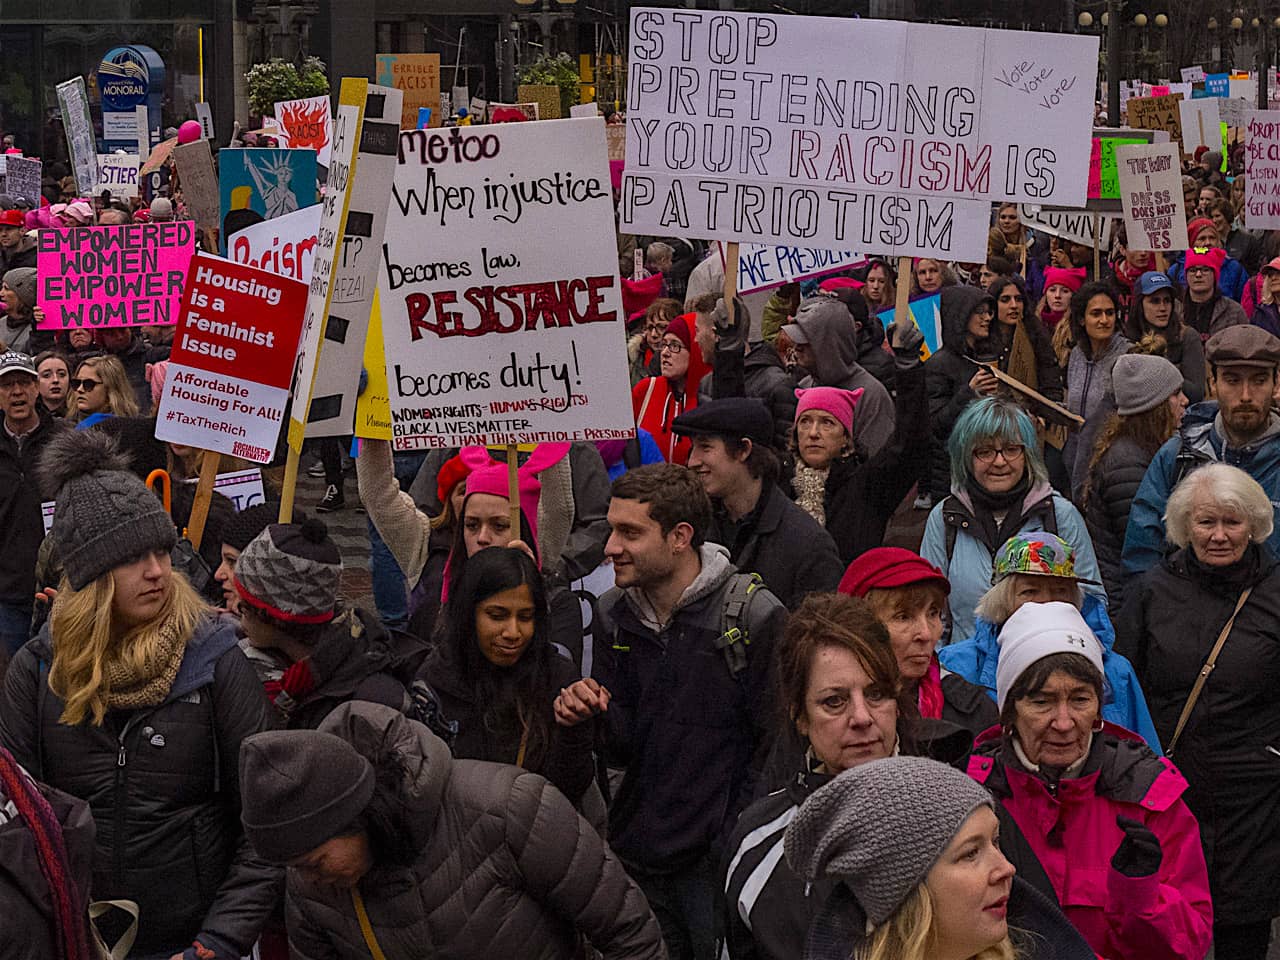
<point>163,786</point>
<point>504,866</point>
<point>948,373</point>
<point>20,517</point>
<point>1113,483</point>
<point>1171,619</point>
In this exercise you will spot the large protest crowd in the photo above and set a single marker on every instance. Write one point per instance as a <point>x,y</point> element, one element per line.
<point>859,647</point>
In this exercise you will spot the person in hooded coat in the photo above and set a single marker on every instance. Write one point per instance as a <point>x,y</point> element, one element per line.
<point>657,401</point>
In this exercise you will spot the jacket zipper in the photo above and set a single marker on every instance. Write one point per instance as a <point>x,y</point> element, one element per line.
<point>118,840</point>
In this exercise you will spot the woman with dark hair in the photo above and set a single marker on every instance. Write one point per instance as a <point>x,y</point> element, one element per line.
<point>1024,350</point>
<point>1150,402</point>
<point>1095,317</point>
<point>55,381</point>
<point>400,850</point>
<point>497,673</point>
<point>1157,313</point>
<point>1104,815</point>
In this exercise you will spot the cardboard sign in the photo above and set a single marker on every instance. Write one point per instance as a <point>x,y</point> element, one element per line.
<point>199,182</point>
<point>232,359</point>
<point>118,174</point>
<point>1157,113</point>
<point>1151,193</point>
<point>493,333</point>
<point>112,276</point>
<point>22,179</point>
<point>417,77</point>
<point>1199,123</point>
<point>340,355</point>
<point>1262,170</point>
<point>545,95</point>
<point>284,246</point>
<point>306,125</point>
<point>885,136</point>
<point>1074,225</point>
<point>82,143</point>
<point>762,267</point>
<point>265,183</point>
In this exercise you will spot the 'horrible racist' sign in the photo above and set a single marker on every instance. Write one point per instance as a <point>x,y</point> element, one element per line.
<point>880,136</point>
<point>499,292</point>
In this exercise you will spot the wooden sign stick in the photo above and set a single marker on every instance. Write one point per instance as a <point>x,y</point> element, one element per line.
<point>730,277</point>
<point>513,491</point>
<point>204,495</point>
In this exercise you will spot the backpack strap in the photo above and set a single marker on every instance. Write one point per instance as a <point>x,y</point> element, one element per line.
<point>735,636</point>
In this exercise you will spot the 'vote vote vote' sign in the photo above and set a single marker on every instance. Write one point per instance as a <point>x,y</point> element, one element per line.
<point>232,359</point>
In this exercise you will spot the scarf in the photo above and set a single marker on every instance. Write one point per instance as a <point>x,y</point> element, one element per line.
<point>1020,358</point>
<point>986,505</point>
<point>810,487</point>
<point>1050,318</point>
<point>46,833</point>
<point>149,686</point>
<point>1229,580</point>
<point>929,693</point>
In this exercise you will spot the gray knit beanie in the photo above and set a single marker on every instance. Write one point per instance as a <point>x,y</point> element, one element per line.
<point>22,281</point>
<point>1142,382</point>
<point>291,571</point>
<point>298,789</point>
<point>105,516</point>
<point>880,827</point>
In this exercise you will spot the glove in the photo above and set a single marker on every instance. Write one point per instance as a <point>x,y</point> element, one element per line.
<point>209,946</point>
<point>731,337</point>
<point>906,339</point>
<point>1139,853</point>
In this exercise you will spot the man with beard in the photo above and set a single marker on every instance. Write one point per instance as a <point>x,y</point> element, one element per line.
<point>1239,428</point>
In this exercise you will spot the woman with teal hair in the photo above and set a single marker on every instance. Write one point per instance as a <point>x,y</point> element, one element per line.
<point>999,487</point>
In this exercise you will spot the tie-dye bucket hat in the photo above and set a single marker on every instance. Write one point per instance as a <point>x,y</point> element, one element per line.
<point>1038,554</point>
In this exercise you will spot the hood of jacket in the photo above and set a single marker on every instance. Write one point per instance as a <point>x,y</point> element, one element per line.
<point>761,356</point>
<point>832,337</point>
<point>212,638</point>
<point>716,569</point>
<point>385,736</point>
<point>1201,433</point>
<point>956,305</point>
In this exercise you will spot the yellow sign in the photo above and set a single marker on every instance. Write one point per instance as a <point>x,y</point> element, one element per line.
<point>373,408</point>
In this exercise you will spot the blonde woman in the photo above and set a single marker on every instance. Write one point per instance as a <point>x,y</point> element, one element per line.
<point>948,894</point>
<point>135,698</point>
<point>99,389</point>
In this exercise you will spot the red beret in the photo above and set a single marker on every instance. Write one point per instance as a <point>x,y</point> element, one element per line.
<point>452,472</point>
<point>887,567</point>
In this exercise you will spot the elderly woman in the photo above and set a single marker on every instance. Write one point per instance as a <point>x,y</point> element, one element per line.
<point>1040,568</point>
<point>839,683</point>
<point>908,595</point>
<point>950,893</point>
<point>999,487</point>
<point>1102,812</point>
<point>1215,604</point>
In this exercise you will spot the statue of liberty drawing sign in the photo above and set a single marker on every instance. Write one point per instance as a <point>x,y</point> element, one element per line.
<point>271,178</point>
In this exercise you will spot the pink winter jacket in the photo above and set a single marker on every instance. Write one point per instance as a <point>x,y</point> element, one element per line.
<point>1166,916</point>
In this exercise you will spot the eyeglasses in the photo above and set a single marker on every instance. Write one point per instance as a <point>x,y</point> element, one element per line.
<point>671,346</point>
<point>87,385</point>
<point>1012,452</point>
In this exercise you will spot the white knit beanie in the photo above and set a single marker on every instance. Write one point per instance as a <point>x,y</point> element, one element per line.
<point>1039,630</point>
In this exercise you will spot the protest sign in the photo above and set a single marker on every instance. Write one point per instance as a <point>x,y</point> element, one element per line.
<point>545,95</point>
<point>494,331</point>
<point>284,246</point>
<point>204,114</point>
<point>615,135</point>
<point>1241,87</point>
<point>118,174</point>
<point>243,488</point>
<point>511,112</point>
<point>584,110</point>
<point>1199,123</point>
<point>1262,170</point>
<point>1074,225</point>
<point>1160,90</point>
<point>761,267</point>
<point>1217,84</point>
<point>417,76</point>
<point>1104,182</point>
<point>1232,110</point>
<point>112,276</point>
<point>1151,193</point>
<point>340,355</point>
<point>199,183</point>
<point>1157,113</point>
<point>926,311</point>
<point>373,406</point>
<point>22,179</point>
<point>82,144</point>
<point>478,108</point>
<point>1192,74</point>
<point>884,136</point>
<point>259,184</point>
<point>306,125</point>
<point>232,359</point>
<point>1182,89</point>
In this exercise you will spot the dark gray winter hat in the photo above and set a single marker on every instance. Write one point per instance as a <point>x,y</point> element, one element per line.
<point>298,788</point>
<point>105,516</point>
<point>291,571</point>
<point>880,827</point>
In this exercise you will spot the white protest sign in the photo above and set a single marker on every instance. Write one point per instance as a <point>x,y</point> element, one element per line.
<point>1073,225</point>
<point>142,124</point>
<point>232,359</point>
<point>1231,111</point>
<point>284,245</point>
<point>1193,74</point>
<point>46,511</point>
<point>1183,88</point>
<point>22,179</point>
<point>1200,124</point>
<point>460,96</point>
<point>307,124</point>
<point>355,275</point>
<point>243,488</point>
<point>1151,194</point>
<point>1242,88</point>
<point>761,267</point>
<point>584,110</point>
<point>884,136</point>
<point>78,126</point>
<point>1262,170</point>
<point>204,114</point>
<point>118,173</point>
<point>501,304</point>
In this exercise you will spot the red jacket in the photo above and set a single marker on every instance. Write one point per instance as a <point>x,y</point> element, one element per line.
<point>655,406</point>
<point>1166,916</point>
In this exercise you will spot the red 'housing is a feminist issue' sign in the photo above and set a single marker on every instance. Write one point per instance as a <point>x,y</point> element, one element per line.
<point>232,359</point>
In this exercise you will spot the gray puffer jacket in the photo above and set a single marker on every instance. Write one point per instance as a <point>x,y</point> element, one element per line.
<point>505,866</point>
